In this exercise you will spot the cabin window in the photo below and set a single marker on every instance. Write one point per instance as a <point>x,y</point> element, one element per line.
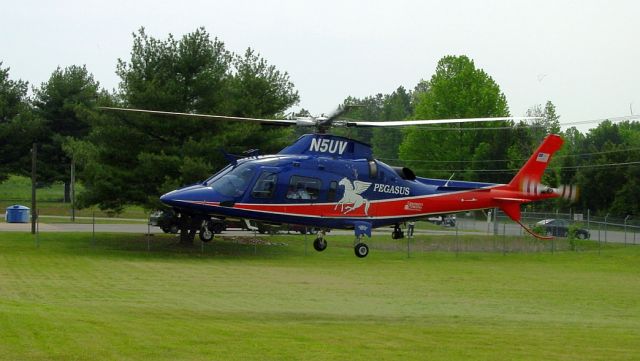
<point>265,185</point>
<point>303,188</point>
<point>333,191</point>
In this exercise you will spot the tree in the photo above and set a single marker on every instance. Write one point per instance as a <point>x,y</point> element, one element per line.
<point>609,176</point>
<point>133,159</point>
<point>60,104</point>
<point>18,126</point>
<point>395,106</point>
<point>457,90</point>
<point>379,107</point>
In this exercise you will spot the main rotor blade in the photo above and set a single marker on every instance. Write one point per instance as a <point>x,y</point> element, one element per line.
<point>283,122</point>
<point>406,123</point>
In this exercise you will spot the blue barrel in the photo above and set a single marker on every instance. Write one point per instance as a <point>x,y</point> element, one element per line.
<point>17,214</point>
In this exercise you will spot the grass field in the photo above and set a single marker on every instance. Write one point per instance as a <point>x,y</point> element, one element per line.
<point>69,300</point>
<point>17,190</point>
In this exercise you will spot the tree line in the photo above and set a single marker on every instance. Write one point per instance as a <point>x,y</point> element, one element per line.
<point>132,159</point>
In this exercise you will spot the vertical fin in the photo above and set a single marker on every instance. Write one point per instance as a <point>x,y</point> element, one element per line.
<point>538,162</point>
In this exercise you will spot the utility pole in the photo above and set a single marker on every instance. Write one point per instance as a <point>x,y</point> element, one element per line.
<point>34,213</point>
<point>73,188</point>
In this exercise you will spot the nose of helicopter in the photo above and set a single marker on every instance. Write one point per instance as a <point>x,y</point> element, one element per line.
<point>184,195</point>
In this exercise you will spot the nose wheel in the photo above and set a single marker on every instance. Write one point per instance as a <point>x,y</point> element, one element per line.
<point>205,234</point>
<point>361,250</point>
<point>320,244</point>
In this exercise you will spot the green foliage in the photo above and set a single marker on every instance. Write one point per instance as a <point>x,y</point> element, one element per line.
<point>61,103</point>
<point>457,90</point>
<point>538,229</point>
<point>572,234</point>
<point>18,126</point>
<point>133,159</point>
<point>605,186</point>
<point>387,107</point>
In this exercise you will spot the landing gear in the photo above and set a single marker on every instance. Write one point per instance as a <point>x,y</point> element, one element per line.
<point>397,232</point>
<point>206,235</point>
<point>361,250</point>
<point>320,244</point>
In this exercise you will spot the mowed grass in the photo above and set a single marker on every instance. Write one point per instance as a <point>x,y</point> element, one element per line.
<point>17,190</point>
<point>70,300</point>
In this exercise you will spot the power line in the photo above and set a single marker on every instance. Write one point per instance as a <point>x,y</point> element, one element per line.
<point>509,160</point>
<point>511,170</point>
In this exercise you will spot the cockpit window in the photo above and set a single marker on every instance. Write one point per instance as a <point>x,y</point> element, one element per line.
<point>217,176</point>
<point>235,182</point>
<point>265,185</point>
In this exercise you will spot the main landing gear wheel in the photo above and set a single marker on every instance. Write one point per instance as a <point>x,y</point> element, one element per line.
<point>361,250</point>
<point>320,244</point>
<point>205,234</point>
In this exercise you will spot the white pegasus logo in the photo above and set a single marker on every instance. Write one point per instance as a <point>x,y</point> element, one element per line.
<point>352,196</point>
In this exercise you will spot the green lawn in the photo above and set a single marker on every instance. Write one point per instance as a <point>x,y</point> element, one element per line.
<point>69,300</point>
<point>17,190</point>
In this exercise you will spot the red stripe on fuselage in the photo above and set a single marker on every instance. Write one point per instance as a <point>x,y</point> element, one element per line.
<point>397,207</point>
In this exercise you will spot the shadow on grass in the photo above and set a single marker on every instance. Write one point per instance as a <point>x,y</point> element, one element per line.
<point>165,246</point>
<point>135,245</point>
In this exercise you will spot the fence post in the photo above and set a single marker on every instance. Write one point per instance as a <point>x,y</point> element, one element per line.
<point>605,227</point>
<point>504,238</point>
<point>93,229</point>
<point>625,229</point>
<point>457,219</point>
<point>37,211</point>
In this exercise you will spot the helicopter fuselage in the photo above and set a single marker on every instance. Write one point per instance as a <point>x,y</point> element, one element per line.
<point>330,182</point>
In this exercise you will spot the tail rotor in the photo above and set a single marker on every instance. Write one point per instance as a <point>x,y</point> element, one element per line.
<point>565,191</point>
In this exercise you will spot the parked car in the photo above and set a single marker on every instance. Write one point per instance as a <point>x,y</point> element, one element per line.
<point>447,220</point>
<point>560,228</point>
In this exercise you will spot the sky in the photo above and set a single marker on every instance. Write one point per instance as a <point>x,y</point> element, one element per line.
<point>584,56</point>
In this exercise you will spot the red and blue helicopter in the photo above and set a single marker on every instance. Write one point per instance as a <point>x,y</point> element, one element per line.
<point>325,182</point>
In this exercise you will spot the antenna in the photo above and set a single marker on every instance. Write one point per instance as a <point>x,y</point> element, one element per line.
<point>447,183</point>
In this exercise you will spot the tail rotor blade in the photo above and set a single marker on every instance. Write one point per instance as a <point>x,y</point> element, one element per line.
<point>531,187</point>
<point>567,192</point>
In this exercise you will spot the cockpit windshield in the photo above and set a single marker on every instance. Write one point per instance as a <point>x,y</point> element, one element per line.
<point>234,182</point>
<point>217,176</point>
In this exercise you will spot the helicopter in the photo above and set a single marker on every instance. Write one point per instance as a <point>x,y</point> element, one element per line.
<point>324,181</point>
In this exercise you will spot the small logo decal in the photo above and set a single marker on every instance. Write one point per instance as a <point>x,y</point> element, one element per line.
<point>352,196</point>
<point>413,206</point>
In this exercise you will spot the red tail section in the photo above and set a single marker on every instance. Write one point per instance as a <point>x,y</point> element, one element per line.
<point>527,181</point>
<point>535,166</point>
